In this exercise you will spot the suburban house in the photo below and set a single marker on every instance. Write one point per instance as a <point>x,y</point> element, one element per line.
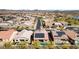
<point>71,35</point>
<point>48,22</point>
<point>28,23</point>
<point>7,35</point>
<point>24,35</point>
<point>1,20</point>
<point>58,24</point>
<point>59,37</point>
<point>77,32</point>
<point>41,35</point>
<point>77,35</point>
<point>4,24</point>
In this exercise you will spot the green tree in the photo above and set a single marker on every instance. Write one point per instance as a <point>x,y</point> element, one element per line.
<point>36,44</point>
<point>7,45</point>
<point>23,45</point>
<point>65,45</point>
<point>50,44</point>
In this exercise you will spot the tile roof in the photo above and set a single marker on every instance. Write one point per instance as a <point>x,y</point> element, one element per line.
<point>6,34</point>
<point>71,34</point>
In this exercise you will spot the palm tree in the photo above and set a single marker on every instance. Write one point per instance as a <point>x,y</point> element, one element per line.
<point>50,44</point>
<point>36,44</point>
<point>8,45</point>
<point>66,46</point>
<point>23,45</point>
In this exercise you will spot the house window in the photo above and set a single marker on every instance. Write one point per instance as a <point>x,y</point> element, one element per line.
<point>63,39</point>
<point>26,40</point>
<point>21,39</point>
<point>16,40</point>
<point>77,35</point>
<point>1,40</point>
<point>55,35</point>
<point>41,40</point>
<point>13,40</point>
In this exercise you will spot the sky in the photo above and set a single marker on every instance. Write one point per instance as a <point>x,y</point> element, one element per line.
<point>40,4</point>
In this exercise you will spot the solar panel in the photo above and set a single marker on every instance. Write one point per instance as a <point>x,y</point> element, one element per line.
<point>39,35</point>
<point>60,33</point>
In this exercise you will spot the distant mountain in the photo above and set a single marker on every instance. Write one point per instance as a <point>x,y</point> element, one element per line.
<point>73,12</point>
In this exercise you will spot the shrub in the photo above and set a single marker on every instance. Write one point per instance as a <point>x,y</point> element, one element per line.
<point>50,44</point>
<point>65,46</point>
<point>23,45</point>
<point>7,45</point>
<point>36,44</point>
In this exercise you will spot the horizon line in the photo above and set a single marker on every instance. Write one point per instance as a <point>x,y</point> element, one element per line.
<point>44,9</point>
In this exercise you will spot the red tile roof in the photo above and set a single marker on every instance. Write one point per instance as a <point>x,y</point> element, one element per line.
<point>6,34</point>
<point>71,34</point>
